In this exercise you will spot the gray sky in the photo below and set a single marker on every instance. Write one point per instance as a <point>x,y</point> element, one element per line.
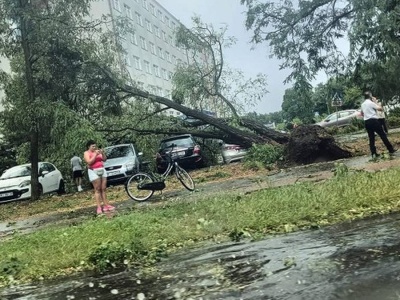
<point>239,56</point>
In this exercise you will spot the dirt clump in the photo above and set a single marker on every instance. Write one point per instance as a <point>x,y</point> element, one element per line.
<point>310,143</point>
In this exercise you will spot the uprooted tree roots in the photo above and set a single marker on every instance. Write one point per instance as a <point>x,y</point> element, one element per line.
<point>310,143</point>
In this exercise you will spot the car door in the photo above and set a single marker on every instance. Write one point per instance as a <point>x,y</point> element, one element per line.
<point>48,177</point>
<point>344,118</point>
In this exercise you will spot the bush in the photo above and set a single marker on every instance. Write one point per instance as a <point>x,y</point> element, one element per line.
<point>263,156</point>
<point>393,121</point>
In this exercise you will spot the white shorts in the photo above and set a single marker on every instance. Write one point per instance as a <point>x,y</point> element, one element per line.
<point>95,174</point>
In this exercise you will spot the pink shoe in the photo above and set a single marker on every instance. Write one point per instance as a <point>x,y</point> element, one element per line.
<point>108,208</point>
<point>99,211</point>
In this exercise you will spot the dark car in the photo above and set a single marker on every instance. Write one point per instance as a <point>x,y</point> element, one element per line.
<point>185,151</point>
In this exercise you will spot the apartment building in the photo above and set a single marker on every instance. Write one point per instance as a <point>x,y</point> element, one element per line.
<point>151,54</point>
<point>4,66</point>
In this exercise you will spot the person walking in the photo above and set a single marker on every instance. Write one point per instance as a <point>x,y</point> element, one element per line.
<point>369,111</point>
<point>76,163</point>
<point>381,115</point>
<point>95,159</point>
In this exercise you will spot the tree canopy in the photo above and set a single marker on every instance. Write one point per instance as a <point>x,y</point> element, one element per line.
<point>306,34</point>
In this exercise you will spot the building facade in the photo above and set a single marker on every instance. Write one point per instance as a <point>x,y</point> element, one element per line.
<point>151,54</point>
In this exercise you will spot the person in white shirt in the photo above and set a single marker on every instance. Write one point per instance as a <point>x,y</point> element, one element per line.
<point>76,163</point>
<point>370,110</point>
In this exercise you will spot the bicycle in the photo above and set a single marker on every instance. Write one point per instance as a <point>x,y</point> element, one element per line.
<point>141,186</point>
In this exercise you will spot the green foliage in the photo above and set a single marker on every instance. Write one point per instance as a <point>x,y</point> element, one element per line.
<point>394,113</point>
<point>113,255</point>
<point>182,223</point>
<point>10,267</point>
<point>297,103</point>
<point>393,121</point>
<point>200,80</point>
<point>305,38</point>
<point>340,170</point>
<point>263,156</point>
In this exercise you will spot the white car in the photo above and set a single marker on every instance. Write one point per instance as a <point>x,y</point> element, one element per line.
<point>15,183</point>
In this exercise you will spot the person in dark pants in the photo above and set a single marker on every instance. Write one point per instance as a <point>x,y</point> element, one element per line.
<point>381,116</point>
<point>369,110</point>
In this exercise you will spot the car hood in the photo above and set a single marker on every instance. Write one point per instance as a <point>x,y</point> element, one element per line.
<point>118,161</point>
<point>7,183</point>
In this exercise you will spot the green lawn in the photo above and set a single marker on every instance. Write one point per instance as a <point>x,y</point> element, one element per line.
<point>143,236</point>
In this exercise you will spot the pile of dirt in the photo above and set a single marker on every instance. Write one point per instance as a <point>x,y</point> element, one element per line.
<point>310,143</point>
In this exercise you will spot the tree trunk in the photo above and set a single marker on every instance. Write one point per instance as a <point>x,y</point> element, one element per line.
<point>25,26</point>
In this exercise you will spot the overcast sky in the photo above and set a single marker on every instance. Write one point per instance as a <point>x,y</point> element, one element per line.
<point>239,56</point>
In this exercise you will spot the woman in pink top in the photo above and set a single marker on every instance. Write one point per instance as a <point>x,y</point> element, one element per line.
<point>97,175</point>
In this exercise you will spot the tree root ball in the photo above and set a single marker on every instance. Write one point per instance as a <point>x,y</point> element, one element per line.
<point>312,143</point>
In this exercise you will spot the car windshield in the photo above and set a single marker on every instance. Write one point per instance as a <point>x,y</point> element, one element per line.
<point>120,151</point>
<point>181,142</point>
<point>18,171</point>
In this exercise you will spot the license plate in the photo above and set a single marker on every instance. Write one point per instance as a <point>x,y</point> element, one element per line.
<point>179,153</point>
<point>6,194</point>
<point>112,173</point>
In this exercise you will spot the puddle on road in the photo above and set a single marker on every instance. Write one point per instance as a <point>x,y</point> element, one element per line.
<point>358,260</point>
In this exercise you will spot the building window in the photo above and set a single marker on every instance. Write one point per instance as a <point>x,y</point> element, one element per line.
<point>153,10</point>
<point>152,48</point>
<point>127,61</point>
<point>128,11</point>
<point>166,21</point>
<point>139,19</point>
<point>168,56</point>
<point>164,74</point>
<point>173,25</point>
<point>148,26</point>
<point>117,5</point>
<point>145,5</point>
<point>138,64</point>
<point>159,15</point>
<point>164,35</point>
<point>147,67</point>
<point>143,43</point>
<point>133,38</point>
<point>170,40</point>
<point>173,59</point>
<point>156,70</point>
<point>160,52</point>
<point>170,74</point>
<point>157,31</point>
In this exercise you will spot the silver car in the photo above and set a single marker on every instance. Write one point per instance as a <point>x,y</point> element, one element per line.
<point>232,152</point>
<point>122,162</point>
<point>341,118</point>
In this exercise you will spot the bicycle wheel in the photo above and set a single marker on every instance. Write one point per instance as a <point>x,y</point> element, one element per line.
<point>184,178</point>
<point>133,184</point>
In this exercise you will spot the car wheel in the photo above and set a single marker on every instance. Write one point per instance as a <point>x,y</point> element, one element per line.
<point>61,188</point>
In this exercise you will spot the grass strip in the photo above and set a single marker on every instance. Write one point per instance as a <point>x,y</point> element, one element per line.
<point>182,223</point>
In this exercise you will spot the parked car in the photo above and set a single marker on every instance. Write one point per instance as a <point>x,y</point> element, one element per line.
<point>232,152</point>
<point>15,183</point>
<point>341,118</point>
<point>186,151</point>
<point>122,161</point>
